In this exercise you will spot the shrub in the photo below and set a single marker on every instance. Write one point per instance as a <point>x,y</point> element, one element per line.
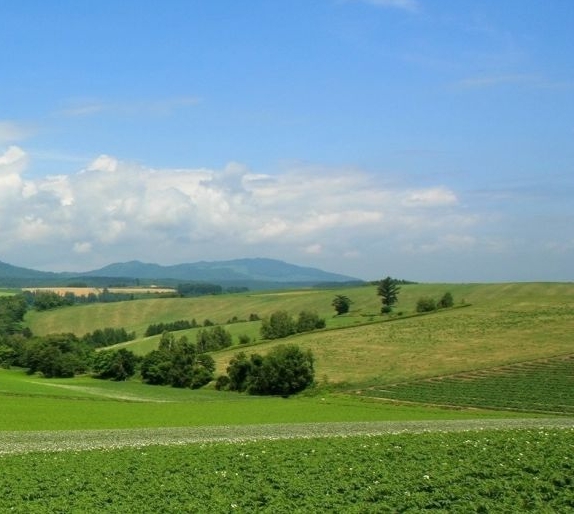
<point>278,325</point>
<point>426,304</point>
<point>446,301</point>
<point>285,370</point>
<point>308,321</point>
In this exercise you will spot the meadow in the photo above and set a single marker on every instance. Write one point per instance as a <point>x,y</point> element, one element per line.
<point>397,422</point>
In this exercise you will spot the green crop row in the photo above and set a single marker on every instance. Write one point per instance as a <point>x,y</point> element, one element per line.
<point>542,386</point>
<point>529,470</point>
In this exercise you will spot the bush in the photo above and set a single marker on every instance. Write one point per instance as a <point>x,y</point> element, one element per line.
<point>285,370</point>
<point>115,364</point>
<point>216,338</point>
<point>244,339</point>
<point>309,321</point>
<point>426,304</point>
<point>278,325</point>
<point>177,363</point>
<point>446,301</point>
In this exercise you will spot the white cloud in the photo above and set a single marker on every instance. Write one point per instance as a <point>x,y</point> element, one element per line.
<point>314,249</point>
<point>433,197</point>
<point>113,210</point>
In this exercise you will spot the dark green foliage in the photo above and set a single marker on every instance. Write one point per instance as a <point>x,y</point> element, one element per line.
<point>278,325</point>
<point>173,326</point>
<point>244,339</point>
<point>222,383</point>
<point>57,355</point>
<point>100,338</point>
<point>309,321</point>
<point>254,317</point>
<point>445,301</point>
<point>238,371</point>
<point>12,311</point>
<point>115,364</point>
<point>7,356</point>
<point>341,303</point>
<point>388,289</point>
<point>198,289</point>
<point>177,363</point>
<point>46,300</point>
<point>208,323</point>
<point>212,339</point>
<point>285,370</point>
<point>426,304</point>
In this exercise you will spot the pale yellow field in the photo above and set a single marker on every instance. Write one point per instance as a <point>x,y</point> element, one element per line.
<point>85,291</point>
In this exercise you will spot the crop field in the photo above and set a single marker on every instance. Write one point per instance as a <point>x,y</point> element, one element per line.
<point>537,386</point>
<point>85,291</point>
<point>478,470</point>
<point>87,445</point>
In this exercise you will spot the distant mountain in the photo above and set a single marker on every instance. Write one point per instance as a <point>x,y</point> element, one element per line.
<point>252,273</point>
<point>15,276</point>
<point>264,270</point>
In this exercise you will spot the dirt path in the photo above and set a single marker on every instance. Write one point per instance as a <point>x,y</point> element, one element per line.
<point>14,442</point>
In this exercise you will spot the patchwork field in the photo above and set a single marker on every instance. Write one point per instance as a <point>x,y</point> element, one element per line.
<point>445,411</point>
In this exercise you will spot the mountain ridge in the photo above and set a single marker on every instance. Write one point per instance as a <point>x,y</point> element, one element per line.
<point>248,271</point>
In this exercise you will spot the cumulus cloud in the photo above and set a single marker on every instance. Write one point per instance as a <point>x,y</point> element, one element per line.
<point>114,210</point>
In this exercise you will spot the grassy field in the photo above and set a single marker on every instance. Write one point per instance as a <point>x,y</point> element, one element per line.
<point>33,403</point>
<point>129,447</point>
<point>502,324</point>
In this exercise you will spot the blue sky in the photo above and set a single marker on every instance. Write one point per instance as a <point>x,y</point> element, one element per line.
<point>428,140</point>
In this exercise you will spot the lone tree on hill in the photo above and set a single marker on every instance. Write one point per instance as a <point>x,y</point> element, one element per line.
<point>388,290</point>
<point>341,303</point>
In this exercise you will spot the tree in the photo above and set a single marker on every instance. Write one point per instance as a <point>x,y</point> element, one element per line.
<point>177,363</point>
<point>445,301</point>
<point>285,370</point>
<point>388,290</point>
<point>309,321</point>
<point>216,338</point>
<point>115,364</point>
<point>278,325</point>
<point>341,303</point>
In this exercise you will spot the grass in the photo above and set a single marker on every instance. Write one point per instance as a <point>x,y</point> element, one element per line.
<point>33,403</point>
<point>482,470</point>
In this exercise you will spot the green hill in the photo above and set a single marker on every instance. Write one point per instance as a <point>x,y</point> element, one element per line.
<point>503,323</point>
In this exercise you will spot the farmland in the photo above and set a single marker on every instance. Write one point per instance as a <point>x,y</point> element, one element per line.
<point>411,412</point>
<point>528,470</point>
<point>541,386</point>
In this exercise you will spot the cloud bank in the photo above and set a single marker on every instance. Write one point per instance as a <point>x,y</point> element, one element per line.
<point>113,210</point>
